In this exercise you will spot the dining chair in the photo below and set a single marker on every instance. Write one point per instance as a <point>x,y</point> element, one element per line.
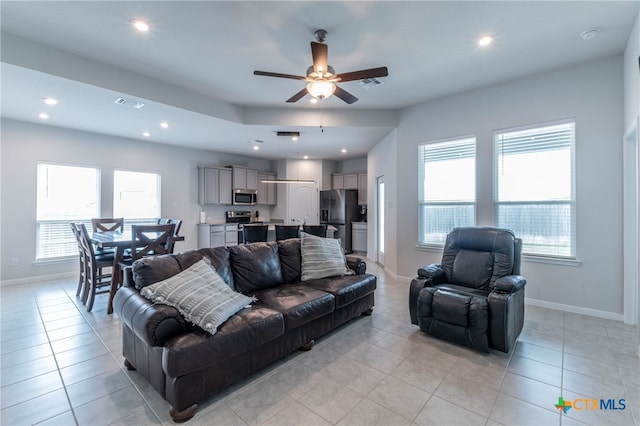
<point>82,280</point>
<point>146,240</point>
<point>318,230</point>
<point>255,233</point>
<point>107,224</point>
<point>284,232</point>
<point>95,279</point>
<point>176,230</point>
<point>104,224</point>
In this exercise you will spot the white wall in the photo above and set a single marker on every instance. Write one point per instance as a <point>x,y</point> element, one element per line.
<point>24,144</point>
<point>381,161</point>
<point>592,93</point>
<point>632,76</point>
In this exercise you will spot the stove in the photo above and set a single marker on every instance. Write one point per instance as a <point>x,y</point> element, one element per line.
<point>237,216</point>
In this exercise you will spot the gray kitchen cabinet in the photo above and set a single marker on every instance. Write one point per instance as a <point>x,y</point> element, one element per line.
<point>245,178</point>
<point>362,188</point>
<point>214,186</point>
<point>359,237</point>
<point>266,191</point>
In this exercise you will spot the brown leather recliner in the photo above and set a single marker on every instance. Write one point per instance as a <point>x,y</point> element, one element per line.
<point>475,296</point>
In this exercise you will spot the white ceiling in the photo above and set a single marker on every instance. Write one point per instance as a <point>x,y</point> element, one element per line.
<point>194,68</point>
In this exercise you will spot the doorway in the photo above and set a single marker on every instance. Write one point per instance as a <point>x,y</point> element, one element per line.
<point>630,224</point>
<point>380,220</point>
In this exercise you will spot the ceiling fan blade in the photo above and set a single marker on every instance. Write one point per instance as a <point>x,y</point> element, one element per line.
<point>298,96</point>
<point>319,52</point>
<point>344,95</point>
<point>362,74</point>
<point>278,75</point>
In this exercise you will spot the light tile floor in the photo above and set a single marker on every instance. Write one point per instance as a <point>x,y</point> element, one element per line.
<point>63,366</point>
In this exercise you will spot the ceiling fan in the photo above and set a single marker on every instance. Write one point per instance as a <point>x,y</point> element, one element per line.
<point>321,76</point>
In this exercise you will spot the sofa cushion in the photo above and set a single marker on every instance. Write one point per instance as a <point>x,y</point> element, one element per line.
<point>246,330</point>
<point>256,266</point>
<point>322,258</point>
<point>290,259</point>
<point>345,289</point>
<point>298,303</point>
<point>200,295</point>
<point>219,258</point>
<point>151,269</point>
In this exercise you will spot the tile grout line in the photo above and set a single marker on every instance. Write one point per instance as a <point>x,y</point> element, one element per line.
<point>55,358</point>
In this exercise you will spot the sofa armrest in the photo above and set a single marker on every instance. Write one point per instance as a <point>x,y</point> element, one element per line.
<point>356,263</point>
<point>510,283</point>
<point>153,323</point>
<point>127,274</point>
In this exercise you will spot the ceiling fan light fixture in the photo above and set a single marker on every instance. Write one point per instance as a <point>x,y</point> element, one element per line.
<point>321,89</point>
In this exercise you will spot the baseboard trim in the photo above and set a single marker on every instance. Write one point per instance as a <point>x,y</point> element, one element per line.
<point>574,309</point>
<point>37,279</point>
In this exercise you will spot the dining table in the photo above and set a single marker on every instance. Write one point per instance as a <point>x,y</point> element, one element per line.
<point>120,240</point>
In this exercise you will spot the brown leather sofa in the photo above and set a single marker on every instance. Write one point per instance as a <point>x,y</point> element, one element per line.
<point>185,364</point>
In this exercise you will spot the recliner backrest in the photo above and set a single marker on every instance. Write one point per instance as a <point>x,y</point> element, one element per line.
<point>476,257</point>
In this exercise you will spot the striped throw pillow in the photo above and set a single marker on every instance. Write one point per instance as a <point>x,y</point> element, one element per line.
<point>200,295</point>
<point>322,257</point>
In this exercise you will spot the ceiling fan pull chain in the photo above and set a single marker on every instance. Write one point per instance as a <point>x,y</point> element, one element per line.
<point>321,115</point>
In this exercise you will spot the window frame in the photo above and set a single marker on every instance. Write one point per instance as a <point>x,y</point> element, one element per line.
<point>67,237</point>
<point>128,221</point>
<point>423,202</point>
<point>571,202</point>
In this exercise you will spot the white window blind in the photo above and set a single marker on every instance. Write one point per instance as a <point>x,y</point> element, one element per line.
<point>446,188</point>
<point>534,187</point>
<point>136,197</point>
<point>65,194</point>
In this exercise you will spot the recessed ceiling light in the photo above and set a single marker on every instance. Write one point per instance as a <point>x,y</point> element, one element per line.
<point>146,134</point>
<point>313,100</point>
<point>43,115</point>
<point>485,41</point>
<point>140,25</point>
<point>306,157</point>
<point>256,147</point>
<point>343,150</point>
<point>294,138</point>
<point>164,125</point>
<point>50,101</point>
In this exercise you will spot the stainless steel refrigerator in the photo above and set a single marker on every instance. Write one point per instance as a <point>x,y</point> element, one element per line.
<point>339,208</point>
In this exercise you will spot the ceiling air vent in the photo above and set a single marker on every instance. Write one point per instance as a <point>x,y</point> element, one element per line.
<point>129,103</point>
<point>369,82</point>
<point>281,133</point>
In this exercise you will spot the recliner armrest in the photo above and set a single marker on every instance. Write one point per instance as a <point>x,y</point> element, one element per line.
<point>356,263</point>
<point>433,271</point>
<point>510,283</point>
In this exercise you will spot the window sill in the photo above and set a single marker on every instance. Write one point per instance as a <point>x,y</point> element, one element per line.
<point>53,261</point>
<point>550,260</point>
<point>564,261</point>
<point>432,248</point>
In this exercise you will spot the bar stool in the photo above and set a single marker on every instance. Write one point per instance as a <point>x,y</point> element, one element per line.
<point>284,232</point>
<point>317,230</point>
<point>255,233</point>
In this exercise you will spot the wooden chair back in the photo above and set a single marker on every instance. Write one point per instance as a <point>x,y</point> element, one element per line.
<point>107,224</point>
<point>151,240</point>
<point>284,232</point>
<point>255,233</point>
<point>317,230</point>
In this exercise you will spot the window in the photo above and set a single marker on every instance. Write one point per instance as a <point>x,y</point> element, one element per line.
<point>136,197</point>
<point>534,187</point>
<point>65,194</point>
<point>447,187</point>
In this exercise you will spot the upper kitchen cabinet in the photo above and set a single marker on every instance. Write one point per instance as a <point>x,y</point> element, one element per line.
<point>362,188</point>
<point>351,181</point>
<point>214,185</point>
<point>245,178</point>
<point>266,191</point>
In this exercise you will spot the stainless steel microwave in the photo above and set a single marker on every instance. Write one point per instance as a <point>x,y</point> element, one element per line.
<point>245,197</point>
